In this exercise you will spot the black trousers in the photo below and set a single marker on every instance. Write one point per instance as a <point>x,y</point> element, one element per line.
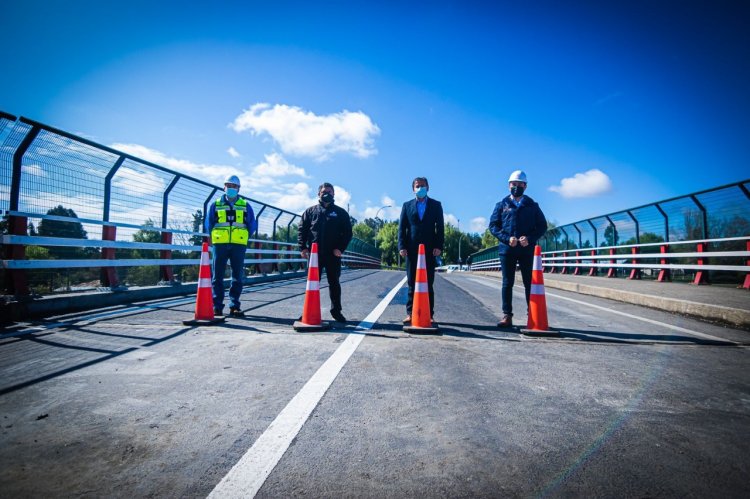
<point>332,268</point>
<point>411,272</point>
<point>508,262</point>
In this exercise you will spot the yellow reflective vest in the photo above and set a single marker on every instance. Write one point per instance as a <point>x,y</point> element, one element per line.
<point>231,226</point>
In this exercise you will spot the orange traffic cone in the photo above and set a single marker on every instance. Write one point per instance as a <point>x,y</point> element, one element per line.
<point>421,322</point>
<point>311,310</point>
<point>204,303</point>
<point>537,324</point>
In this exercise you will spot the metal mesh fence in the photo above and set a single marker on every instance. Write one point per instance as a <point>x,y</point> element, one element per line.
<point>712,214</point>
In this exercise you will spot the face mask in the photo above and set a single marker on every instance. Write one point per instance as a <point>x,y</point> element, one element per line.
<point>232,192</point>
<point>517,191</point>
<point>326,197</point>
<point>421,192</point>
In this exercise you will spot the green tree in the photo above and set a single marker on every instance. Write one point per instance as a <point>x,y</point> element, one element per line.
<point>58,228</point>
<point>364,232</point>
<point>387,241</point>
<point>488,240</point>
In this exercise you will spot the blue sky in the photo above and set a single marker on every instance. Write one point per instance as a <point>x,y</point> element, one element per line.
<point>605,105</point>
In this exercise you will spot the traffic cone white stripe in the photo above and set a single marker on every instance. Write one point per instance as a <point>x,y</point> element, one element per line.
<point>421,262</point>
<point>313,260</point>
<point>537,289</point>
<point>313,285</point>
<point>205,259</point>
<point>204,282</point>
<point>537,263</point>
<point>420,287</point>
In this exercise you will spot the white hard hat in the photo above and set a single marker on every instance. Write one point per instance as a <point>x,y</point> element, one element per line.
<point>517,176</point>
<point>232,179</point>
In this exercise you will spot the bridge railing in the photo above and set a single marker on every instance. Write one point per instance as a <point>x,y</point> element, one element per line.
<point>80,214</point>
<point>661,261</point>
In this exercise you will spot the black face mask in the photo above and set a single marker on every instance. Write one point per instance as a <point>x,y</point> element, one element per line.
<point>326,197</point>
<point>517,191</point>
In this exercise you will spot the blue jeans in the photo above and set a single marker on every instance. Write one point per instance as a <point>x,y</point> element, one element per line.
<point>235,253</point>
<point>509,261</point>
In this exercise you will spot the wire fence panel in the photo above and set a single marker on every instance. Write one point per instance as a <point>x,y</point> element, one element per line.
<point>60,186</point>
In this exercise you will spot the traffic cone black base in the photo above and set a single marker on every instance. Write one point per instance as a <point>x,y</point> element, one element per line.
<point>550,332</point>
<point>434,329</point>
<point>205,322</point>
<point>301,327</point>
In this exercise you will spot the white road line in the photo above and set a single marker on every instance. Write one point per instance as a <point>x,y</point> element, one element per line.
<point>246,478</point>
<point>624,314</point>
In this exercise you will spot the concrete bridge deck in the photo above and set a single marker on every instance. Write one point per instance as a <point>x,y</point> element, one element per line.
<point>123,402</point>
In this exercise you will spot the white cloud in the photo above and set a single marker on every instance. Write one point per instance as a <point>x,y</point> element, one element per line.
<point>275,165</point>
<point>233,152</point>
<point>583,185</point>
<point>391,212</point>
<point>451,219</point>
<point>212,173</point>
<point>478,224</point>
<point>294,197</point>
<point>303,133</point>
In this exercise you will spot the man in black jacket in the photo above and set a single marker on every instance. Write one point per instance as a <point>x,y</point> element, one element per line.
<point>421,222</point>
<point>518,223</point>
<point>329,226</point>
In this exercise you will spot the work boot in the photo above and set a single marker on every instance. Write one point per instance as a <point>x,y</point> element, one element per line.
<point>338,316</point>
<point>236,312</point>
<point>506,322</point>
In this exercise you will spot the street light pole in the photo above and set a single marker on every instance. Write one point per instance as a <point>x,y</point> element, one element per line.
<point>378,212</point>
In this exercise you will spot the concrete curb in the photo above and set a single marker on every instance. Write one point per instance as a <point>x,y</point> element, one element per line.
<point>19,310</point>
<point>718,313</point>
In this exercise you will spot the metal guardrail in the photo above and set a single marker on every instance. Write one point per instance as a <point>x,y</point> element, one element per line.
<point>591,259</point>
<point>716,222</point>
<point>88,200</point>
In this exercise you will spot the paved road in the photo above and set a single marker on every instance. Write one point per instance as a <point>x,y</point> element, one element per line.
<point>129,402</point>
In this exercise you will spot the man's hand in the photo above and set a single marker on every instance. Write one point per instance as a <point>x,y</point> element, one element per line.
<point>337,253</point>
<point>436,252</point>
<point>305,254</point>
<point>402,253</point>
<point>513,241</point>
<point>524,242</point>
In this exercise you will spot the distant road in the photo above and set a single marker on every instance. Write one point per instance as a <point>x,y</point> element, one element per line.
<point>129,402</point>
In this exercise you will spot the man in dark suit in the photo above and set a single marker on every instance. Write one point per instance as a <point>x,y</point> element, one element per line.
<point>421,222</point>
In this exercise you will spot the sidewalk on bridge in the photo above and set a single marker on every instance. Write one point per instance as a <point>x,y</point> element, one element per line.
<point>716,303</point>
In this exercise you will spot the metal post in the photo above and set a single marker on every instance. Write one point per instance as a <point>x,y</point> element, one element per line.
<point>593,227</point>
<point>704,213</point>
<point>205,207</point>
<point>165,201</point>
<point>567,242</point>
<point>635,273</point>
<point>165,271</point>
<point>108,187</point>
<point>15,180</point>
<point>109,274</point>
<point>16,282</point>
<point>666,222</point>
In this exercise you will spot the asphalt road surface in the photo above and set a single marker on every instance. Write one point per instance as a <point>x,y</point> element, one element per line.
<point>128,402</point>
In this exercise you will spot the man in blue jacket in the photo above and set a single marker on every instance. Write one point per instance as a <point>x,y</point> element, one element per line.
<point>518,223</point>
<point>421,222</point>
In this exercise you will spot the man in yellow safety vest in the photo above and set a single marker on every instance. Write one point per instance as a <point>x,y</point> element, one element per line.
<point>230,221</point>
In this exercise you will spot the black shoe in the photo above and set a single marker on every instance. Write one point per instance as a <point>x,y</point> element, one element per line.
<point>236,312</point>
<point>338,316</point>
<point>506,322</point>
<point>407,319</point>
<point>218,312</point>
